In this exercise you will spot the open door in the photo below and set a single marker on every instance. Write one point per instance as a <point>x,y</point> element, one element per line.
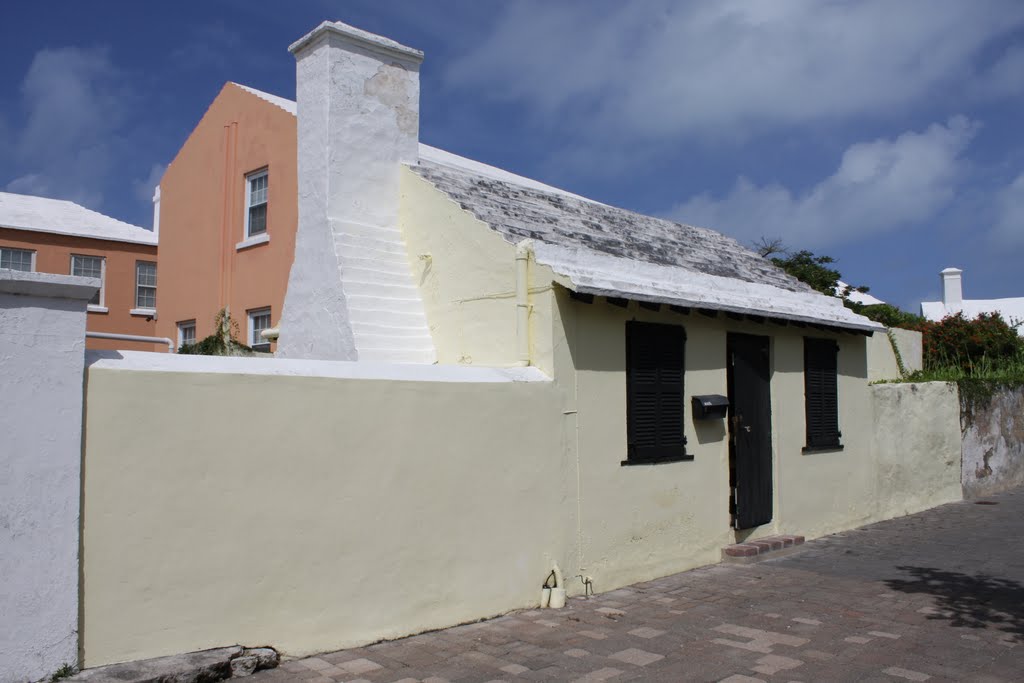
<point>750,430</point>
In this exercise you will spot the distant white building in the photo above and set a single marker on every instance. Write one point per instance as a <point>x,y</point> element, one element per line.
<point>953,302</point>
<point>857,297</point>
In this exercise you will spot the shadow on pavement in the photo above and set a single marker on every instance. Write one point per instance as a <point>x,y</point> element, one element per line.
<point>968,601</point>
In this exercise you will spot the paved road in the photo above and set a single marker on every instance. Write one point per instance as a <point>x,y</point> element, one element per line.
<point>937,596</point>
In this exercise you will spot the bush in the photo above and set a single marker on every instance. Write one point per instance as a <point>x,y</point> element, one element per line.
<point>888,315</point>
<point>956,341</point>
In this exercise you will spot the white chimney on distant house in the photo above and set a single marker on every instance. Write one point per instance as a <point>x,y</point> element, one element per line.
<point>952,290</point>
<point>358,120</point>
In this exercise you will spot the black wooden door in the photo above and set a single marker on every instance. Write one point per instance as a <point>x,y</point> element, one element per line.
<point>750,430</point>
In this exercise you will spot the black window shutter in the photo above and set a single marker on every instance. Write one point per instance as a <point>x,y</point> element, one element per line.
<point>821,393</point>
<point>654,385</point>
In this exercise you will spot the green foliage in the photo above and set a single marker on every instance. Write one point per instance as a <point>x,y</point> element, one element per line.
<point>224,342</point>
<point>64,671</point>
<point>888,315</point>
<point>812,270</point>
<point>987,342</point>
<point>818,272</point>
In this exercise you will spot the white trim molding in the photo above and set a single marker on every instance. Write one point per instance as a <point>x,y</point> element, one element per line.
<point>147,312</point>
<point>253,241</point>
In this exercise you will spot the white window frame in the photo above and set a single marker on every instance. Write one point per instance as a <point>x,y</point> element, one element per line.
<point>253,336</point>
<point>249,177</point>
<point>143,310</point>
<point>184,325</point>
<point>101,307</point>
<point>32,257</point>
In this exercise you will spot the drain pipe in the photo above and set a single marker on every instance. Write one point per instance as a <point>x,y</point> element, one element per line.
<point>132,337</point>
<point>523,251</point>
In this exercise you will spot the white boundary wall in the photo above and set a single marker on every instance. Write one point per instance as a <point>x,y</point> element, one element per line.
<point>42,345</point>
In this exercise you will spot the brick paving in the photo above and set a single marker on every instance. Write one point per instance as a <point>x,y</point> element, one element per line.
<point>937,596</point>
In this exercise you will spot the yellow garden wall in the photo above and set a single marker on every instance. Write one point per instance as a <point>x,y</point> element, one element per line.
<point>311,513</point>
<point>224,506</point>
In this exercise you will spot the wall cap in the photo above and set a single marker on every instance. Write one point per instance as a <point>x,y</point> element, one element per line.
<point>144,361</point>
<point>48,285</point>
<point>358,37</point>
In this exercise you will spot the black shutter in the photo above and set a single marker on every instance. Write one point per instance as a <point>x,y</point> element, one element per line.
<point>654,386</point>
<point>821,393</point>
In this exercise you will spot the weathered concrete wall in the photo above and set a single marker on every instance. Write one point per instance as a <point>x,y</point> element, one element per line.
<point>993,443</point>
<point>42,346</point>
<point>911,346</point>
<point>882,362</point>
<point>917,446</point>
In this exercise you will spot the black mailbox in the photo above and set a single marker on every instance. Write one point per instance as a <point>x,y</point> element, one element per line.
<point>710,407</point>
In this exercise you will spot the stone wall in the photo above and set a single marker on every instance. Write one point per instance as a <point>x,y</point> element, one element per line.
<point>993,442</point>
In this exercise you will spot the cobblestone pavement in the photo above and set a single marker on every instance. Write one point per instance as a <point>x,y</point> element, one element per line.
<point>937,596</point>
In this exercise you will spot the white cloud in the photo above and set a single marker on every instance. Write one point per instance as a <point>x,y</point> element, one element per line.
<point>879,186</point>
<point>646,70</point>
<point>74,101</point>
<point>143,187</point>
<point>1008,229</point>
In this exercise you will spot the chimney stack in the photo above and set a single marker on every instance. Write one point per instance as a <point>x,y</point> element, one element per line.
<point>357,97</point>
<point>952,290</point>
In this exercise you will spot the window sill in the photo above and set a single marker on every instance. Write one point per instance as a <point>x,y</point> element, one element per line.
<point>93,308</point>
<point>686,457</point>
<point>823,449</point>
<point>253,241</point>
<point>144,312</point>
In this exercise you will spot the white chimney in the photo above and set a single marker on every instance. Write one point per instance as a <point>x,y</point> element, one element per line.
<point>952,290</point>
<point>156,212</point>
<point>358,120</point>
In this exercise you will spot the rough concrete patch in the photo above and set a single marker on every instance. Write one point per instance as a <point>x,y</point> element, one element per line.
<point>194,667</point>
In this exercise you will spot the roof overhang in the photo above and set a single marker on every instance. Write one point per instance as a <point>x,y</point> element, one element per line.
<point>592,273</point>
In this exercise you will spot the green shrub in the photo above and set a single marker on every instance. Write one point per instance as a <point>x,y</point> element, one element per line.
<point>888,315</point>
<point>956,342</point>
<point>224,342</point>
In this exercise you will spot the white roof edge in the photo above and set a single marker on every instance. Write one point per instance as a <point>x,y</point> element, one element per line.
<point>62,217</point>
<point>364,39</point>
<point>281,102</point>
<point>286,367</point>
<point>86,235</point>
<point>604,275</point>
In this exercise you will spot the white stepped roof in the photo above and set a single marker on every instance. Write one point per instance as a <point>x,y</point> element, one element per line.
<point>1011,309</point>
<point>58,216</point>
<point>612,252</point>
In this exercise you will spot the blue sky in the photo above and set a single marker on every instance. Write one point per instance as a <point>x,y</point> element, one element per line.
<point>886,134</point>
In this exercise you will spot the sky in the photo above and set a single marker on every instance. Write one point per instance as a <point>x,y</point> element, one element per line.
<point>887,135</point>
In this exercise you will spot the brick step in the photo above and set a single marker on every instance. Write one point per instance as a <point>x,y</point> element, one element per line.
<point>761,548</point>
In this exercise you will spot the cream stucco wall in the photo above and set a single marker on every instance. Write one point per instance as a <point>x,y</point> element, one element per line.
<point>466,274</point>
<point>226,506</point>
<point>917,446</point>
<point>312,513</point>
<point>882,362</point>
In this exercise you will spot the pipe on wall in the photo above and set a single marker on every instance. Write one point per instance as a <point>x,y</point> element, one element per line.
<point>523,251</point>
<point>132,337</point>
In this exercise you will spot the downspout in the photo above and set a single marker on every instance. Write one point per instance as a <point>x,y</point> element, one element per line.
<point>523,251</point>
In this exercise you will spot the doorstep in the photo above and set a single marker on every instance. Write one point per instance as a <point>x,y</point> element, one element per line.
<point>761,549</point>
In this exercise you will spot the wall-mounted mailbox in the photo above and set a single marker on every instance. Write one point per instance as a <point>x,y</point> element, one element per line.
<point>710,407</point>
